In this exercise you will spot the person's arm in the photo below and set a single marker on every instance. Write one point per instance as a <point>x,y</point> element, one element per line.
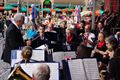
<point>90,42</point>
<point>99,51</point>
<point>104,53</point>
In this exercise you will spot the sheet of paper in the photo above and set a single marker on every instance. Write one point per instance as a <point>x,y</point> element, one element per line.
<point>44,47</point>
<point>15,57</point>
<point>76,69</point>
<point>54,69</point>
<point>58,57</point>
<point>38,55</point>
<point>91,69</point>
<point>70,54</point>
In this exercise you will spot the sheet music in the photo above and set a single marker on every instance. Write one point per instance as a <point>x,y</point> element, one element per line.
<point>54,69</point>
<point>15,57</point>
<point>58,57</point>
<point>38,55</point>
<point>70,54</point>
<point>76,69</point>
<point>91,69</point>
<point>44,47</point>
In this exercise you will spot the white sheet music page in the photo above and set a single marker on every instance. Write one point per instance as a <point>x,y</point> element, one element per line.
<point>19,57</point>
<point>15,57</point>
<point>54,74</point>
<point>70,54</point>
<point>43,47</point>
<point>58,57</point>
<point>91,69</point>
<point>54,69</point>
<point>38,55</point>
<point>76,69</point>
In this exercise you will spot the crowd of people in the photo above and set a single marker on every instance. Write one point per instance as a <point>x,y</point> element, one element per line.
<point>63,32</point>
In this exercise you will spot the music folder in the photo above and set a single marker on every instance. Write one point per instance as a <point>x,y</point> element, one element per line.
<point>38,55</point>
<point>54,69</point>
<point>18,73</point>
<point>59,56</point>
<point>81,69</point>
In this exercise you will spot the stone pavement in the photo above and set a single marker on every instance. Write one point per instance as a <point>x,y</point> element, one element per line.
<point>4,67</point>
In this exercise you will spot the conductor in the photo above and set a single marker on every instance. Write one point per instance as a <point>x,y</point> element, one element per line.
<point>14,38</point>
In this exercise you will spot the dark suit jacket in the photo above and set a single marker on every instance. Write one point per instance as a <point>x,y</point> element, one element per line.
<point>13,41</point>
<point>38,42</point>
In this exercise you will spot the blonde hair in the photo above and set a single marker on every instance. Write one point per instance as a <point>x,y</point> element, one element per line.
<point>26,52</point>
<point>70,29</point>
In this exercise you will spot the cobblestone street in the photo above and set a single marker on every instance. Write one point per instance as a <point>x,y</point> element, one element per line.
<point>4,67</point>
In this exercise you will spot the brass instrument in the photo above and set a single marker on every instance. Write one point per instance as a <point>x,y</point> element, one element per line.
<point>19,71</point>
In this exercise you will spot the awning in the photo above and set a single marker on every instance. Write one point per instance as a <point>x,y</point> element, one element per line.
<point>57,10</point>
<point>23,9</point>
<point>47,9</point>
<point>97,13</point>
<point>8,7</point>
<point>14,4</point>
<point>73,2</point>
<point>1,8</point>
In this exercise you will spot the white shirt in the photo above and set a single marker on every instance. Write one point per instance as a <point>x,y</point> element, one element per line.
<point>90,38</point>
<point>15,24</point>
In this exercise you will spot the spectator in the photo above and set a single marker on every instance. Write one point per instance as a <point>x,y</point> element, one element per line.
<point>42,72</point>
<point>31,32</point>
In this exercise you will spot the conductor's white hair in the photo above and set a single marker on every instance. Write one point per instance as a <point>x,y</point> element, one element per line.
<point>42,72</point>
<point>18,16</point>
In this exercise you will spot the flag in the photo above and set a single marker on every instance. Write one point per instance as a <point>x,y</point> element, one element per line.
<point>34,11</point>
<point>19,5</point>
<point>77,12</point>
